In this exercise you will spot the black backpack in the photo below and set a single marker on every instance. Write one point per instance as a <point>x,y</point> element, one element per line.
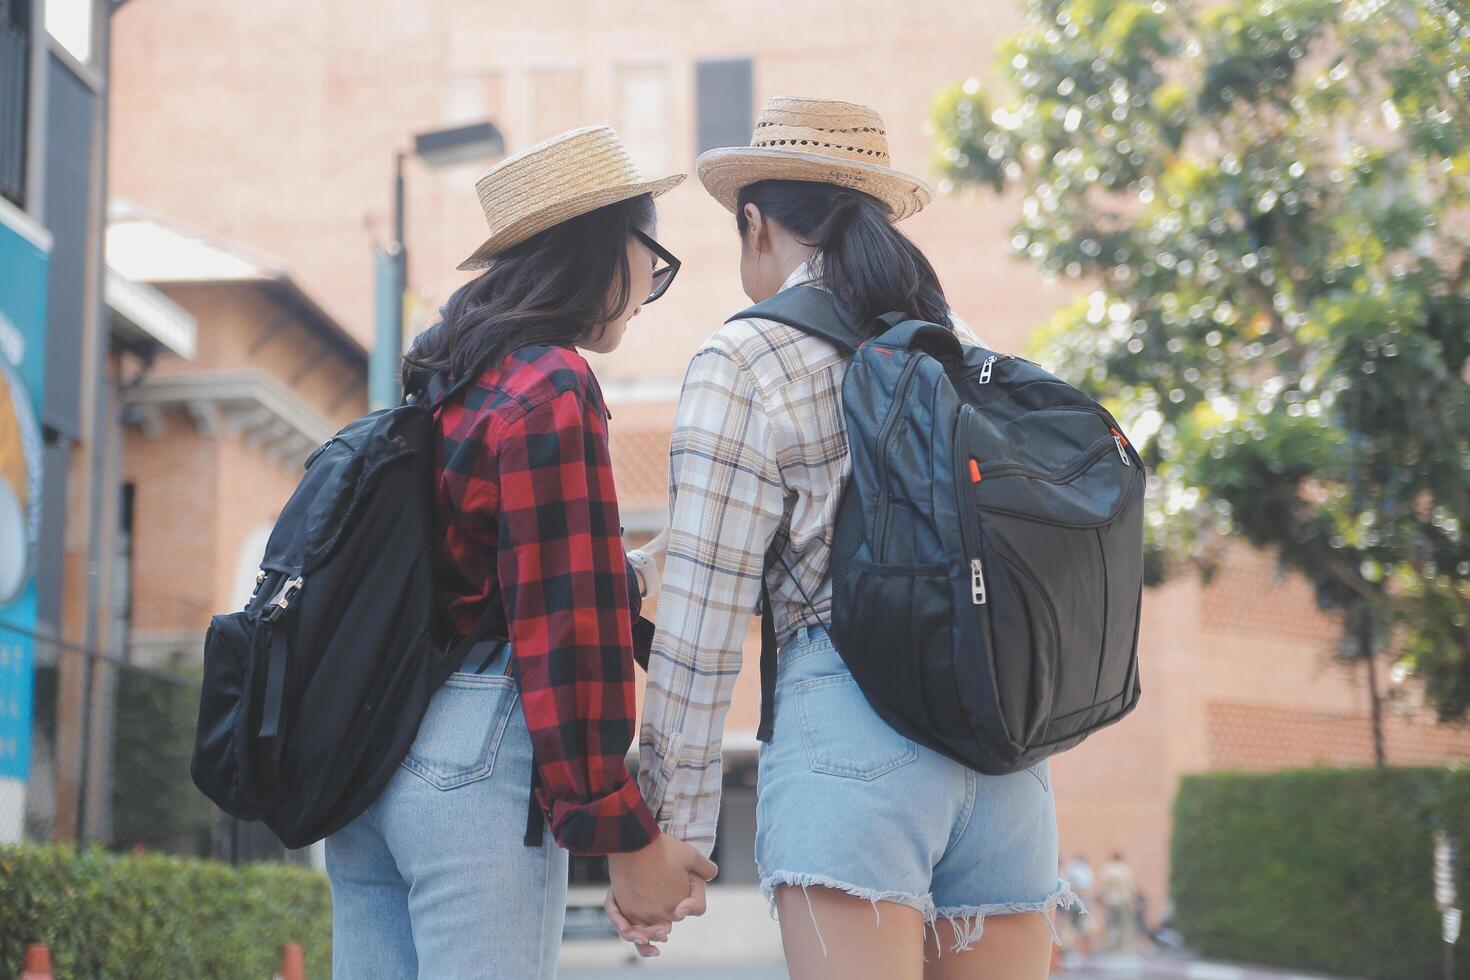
<point>314,693</point>
<point>987,560</point>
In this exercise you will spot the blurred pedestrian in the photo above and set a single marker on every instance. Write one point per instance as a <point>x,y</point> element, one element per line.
<point>1118,893</point>
<point>1077,920</point>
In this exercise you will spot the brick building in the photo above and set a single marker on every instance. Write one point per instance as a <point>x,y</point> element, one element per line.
<point>277,124</point>
<point>222,375</point>
<point>213,444</point>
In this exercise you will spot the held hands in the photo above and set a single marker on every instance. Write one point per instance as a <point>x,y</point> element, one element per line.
<point>664,882</point>
<point>654,888</point>
<point>643,937</point>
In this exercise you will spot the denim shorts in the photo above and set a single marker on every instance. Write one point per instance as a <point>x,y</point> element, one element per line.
<point>434,879</point>
<point>846,802</point>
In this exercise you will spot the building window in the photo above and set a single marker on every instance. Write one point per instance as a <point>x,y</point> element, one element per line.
<point>641,115</point>
<point>723,94</point>
<point>15,88</point>
<point>473,97</point>
<point>556,101</point>
<point>70,22</point>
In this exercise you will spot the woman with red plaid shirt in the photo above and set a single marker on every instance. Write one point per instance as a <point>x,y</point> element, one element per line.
<point>442,876</point>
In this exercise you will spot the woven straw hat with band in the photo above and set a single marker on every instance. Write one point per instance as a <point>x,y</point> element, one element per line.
<point>570,174</point>
<point>814,139</point>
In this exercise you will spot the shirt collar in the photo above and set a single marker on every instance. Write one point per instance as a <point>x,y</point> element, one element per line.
<point>810,272</point>
<point>807,272</point>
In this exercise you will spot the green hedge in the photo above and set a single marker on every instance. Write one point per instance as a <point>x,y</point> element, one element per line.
<point>1324,869</point>
<point>148,916</point>
<point>154,801</point>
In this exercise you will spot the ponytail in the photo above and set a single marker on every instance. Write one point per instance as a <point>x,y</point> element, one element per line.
<point>868,264</point>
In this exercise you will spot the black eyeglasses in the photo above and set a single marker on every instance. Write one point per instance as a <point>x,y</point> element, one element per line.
<point>663,275</point>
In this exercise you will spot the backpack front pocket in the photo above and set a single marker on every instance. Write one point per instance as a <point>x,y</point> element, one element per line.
<point>461,732</point>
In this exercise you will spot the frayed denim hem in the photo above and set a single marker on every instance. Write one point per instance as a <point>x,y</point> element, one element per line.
<point>968,921</point>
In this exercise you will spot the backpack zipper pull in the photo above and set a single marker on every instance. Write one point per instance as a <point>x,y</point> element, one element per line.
<point>278,605</point>
<point>977,582</point>
<point>986,368</point>
<point>1122,454</point>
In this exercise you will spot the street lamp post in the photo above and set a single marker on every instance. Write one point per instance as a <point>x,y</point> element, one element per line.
<point>438,148</point>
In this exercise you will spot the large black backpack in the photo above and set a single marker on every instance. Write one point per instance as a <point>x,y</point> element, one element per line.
<point>987,561</point>
<point>313,694</point>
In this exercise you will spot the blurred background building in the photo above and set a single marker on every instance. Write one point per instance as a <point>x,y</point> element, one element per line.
<point>156,410</point>
<point>250,160</point>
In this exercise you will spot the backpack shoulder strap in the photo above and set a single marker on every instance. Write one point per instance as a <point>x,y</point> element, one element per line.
<point>434,391</point>
<point>440,387</point>
<point>816,312</point>
<point>931,338</point>
<point>811,310</point>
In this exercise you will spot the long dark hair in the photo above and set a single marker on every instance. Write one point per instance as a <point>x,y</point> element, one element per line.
<point>558,287</point>
<point>867,263</point>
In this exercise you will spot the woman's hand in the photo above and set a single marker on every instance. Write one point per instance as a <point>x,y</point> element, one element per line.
<point>643,939</point>
<point>651,886</point>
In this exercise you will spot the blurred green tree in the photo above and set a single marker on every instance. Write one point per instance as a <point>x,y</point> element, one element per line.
<point>1270,197</point>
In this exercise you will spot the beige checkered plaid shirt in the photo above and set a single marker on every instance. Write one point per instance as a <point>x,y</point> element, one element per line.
<point>759,456</point>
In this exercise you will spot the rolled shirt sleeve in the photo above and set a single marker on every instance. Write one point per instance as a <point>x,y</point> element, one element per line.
<point>565,586</point>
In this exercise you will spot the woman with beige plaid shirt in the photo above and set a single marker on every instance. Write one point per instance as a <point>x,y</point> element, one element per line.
<point>882,858</point>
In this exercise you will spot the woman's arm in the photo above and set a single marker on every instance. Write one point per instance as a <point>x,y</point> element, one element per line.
<point>726,504</point>
<point>564,581</point>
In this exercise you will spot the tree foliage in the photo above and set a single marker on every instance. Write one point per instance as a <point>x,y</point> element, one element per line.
<point>1270,197</point>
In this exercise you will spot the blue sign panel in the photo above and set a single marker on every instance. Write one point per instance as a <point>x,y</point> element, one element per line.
<point>22,369</point>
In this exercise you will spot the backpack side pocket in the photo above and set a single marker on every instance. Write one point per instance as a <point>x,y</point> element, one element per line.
<point>218,754</point>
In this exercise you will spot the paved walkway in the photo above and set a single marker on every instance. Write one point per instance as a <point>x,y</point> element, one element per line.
<point>1094,968</point>
<point>1173,968</point>
<point>634,971</point>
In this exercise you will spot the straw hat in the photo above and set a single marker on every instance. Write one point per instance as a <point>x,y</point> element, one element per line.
<point>814,139</point>
<point>570,174</point>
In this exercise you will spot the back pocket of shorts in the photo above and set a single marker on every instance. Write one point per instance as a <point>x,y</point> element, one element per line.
<point>844,736</point>
<point>461,732</point>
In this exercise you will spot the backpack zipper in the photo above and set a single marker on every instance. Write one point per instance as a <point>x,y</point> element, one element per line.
<point>1061,476</point>
<point>281,601</point>
<point>1112,424</point>
<point>969,534</point>
<point>985,368</point>
<point>885,437</point>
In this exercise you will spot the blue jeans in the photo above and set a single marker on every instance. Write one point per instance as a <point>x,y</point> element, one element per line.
<point>846,802</point>
<point>434,880</point>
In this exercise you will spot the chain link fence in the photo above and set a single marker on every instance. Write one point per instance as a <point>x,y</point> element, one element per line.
<point>105,757</point>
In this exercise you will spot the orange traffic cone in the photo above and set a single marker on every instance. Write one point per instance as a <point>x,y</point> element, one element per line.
<point>293,963</point>
<point>38,963</point>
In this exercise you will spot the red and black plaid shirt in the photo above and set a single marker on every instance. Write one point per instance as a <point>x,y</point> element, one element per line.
<point>528,521</point>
